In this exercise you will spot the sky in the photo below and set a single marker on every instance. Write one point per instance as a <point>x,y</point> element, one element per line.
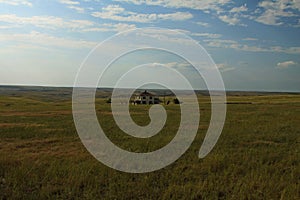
<point>255,44</point>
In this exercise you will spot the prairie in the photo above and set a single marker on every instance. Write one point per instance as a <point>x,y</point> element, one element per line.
<point>42,157</point>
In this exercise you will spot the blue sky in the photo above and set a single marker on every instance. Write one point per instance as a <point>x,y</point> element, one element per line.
<point>255,44</point>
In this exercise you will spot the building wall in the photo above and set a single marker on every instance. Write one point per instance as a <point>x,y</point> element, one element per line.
<point>147,99</point>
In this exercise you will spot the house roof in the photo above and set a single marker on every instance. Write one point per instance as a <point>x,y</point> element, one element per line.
<point>146,93</point>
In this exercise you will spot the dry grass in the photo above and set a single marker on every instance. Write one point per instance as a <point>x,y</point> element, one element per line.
<point>256,157</point>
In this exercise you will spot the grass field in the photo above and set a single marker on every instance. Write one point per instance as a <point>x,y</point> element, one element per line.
<point>256,157</point>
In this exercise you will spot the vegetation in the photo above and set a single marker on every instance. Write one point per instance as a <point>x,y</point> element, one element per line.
<point>256,157</point>
<point>176,101</point>
<point>108,100</point>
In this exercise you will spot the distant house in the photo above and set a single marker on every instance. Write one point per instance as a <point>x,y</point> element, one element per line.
<point>146,98</point>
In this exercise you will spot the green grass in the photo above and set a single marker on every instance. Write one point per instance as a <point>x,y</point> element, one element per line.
<point>256,157</point>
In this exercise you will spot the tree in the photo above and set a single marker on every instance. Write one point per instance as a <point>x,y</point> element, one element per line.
<point>176,101</point>
<point>108,100</point>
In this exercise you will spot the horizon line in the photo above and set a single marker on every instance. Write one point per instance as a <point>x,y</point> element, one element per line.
<point>108,87</point>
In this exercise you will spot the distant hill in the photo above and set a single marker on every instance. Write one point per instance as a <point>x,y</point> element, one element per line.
<point>65,93</point>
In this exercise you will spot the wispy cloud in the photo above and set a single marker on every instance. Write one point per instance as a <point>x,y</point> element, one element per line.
<point>169,36</point>
<point>269,12</point>
<point>48,22</point>
<point>51,22</point>
<point>250,39</point>
<point>75,5</point>
<point>178,64</point>
<point>69,2</point>
<point>108,27</point>
<point>118,13</point>
<point>204,35</point>
<point>231,44</point>
<point>231,17</point>
<point>175,65</point>
<point>16,2</point>
<point>224,67</point>
<point>207,35</point>
<point>286,64</point>
<point>204,24</point>
<point>44,40</point>
<point>215,5</point>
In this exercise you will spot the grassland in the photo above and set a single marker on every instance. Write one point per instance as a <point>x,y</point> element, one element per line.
<point>256,157</point>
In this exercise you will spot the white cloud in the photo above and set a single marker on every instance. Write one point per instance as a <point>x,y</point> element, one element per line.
<point>120,27</point>
<point>50,22</point>
<point>242,8</point>
<point>117,13</point>
<point>203,24</point>
<point>224,67</point>
<point>250,39</point>
<point>297,25</point>
<point>168,36</point>
<point>233,16</point>
<point>229,20</point>
<point>286,64</point>
<point>218,43</point>
<point>221,65</point>
<point>270,17</point>
<point>43,40</point>
<point>77,8</point>
<point>177,16</point>
<point>178,65</point>
<point>231,44</point>
<point>75,5</point>
<point>207,35</point>
<point>69,2</point>
<point>9,26</point>
<point>191,4</point>
<point>272,12</point>
<point>16,2</point>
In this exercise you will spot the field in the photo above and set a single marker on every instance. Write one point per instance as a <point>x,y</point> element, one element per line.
<point>256,157</point>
